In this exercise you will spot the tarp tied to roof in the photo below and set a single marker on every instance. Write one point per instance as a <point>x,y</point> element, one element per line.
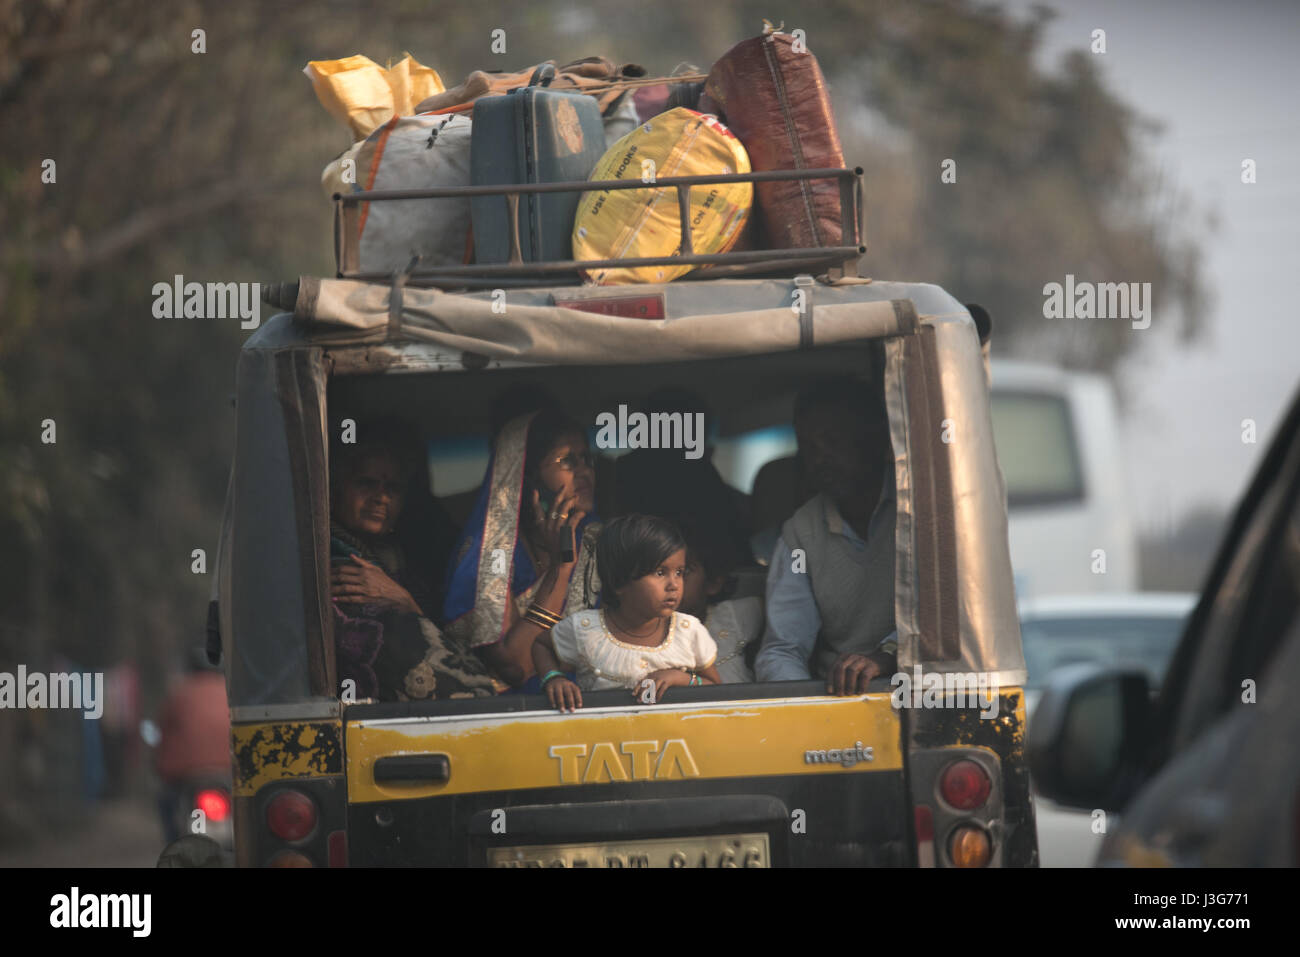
<point>342,311</point>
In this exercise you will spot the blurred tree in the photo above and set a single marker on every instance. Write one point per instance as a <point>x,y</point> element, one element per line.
<point>170,161</point>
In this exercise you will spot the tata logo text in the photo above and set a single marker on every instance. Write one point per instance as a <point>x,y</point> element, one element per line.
<point>603,762</point>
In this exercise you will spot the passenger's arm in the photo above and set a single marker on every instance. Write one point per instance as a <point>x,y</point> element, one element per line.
<point>363,582</point>
<point>792,622</point>
<point>544,659</point>
<point>564,695</point>
<point>511,658</point>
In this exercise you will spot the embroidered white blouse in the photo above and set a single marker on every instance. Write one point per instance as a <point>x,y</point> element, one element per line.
<point>584,643</point>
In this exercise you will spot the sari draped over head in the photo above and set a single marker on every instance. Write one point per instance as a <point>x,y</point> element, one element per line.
<point>491,565</point>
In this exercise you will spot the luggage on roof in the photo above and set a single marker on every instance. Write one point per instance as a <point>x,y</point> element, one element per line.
<point>531,135</point>
<point>362,95</point>
<point>773,97</point>
<point>408,152</point>
<point>632,223</point>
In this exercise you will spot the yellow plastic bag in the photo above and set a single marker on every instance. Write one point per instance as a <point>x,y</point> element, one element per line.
<point>412,83</point>
<point>364,96</point>
<point>628,223</point>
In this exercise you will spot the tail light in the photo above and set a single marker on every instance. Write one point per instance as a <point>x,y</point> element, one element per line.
<point>214,803</point>
<point>291,816</point>
<point>924,819</point>
<point>970,846</point>
<point>291,859</point>
<point>965,785</point>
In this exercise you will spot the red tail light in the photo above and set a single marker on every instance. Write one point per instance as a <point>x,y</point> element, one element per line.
<point>291,815</point>
<point>214,803</point>
<point>965,785</point>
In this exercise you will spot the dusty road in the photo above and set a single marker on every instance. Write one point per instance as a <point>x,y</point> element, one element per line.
<point>115,834</point>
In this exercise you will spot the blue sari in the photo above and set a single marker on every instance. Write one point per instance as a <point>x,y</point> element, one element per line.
<point>491,565</point>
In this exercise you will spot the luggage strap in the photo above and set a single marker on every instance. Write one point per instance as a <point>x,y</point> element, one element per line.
<point>400,277</point>
<point>905,313</point>
<point>806,283</point>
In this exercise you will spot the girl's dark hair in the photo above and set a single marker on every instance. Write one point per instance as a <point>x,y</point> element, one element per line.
<point>631,547</point>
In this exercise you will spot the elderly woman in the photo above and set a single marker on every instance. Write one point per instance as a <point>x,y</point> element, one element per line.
<point>527,557</point>
<point>386,645</point>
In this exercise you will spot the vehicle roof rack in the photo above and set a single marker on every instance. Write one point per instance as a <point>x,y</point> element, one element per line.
<point>838,261</point>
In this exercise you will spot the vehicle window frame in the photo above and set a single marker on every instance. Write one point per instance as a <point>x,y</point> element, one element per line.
<point>924,390</point>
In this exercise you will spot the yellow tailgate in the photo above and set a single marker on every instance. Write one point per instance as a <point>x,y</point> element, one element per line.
<point>513,751</point>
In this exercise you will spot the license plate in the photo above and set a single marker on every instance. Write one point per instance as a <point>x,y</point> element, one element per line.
<point>722,850</point>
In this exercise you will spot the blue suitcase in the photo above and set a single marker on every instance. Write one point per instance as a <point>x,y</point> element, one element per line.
<point>531,135</point>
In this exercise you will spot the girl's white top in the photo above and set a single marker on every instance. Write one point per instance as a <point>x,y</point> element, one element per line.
<point>584,643</point>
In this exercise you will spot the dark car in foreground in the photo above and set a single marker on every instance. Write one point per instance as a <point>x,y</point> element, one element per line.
<point>1208,773</point>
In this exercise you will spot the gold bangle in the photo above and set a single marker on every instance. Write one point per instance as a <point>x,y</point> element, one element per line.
<point>537,609</point>
<point>542,621</point>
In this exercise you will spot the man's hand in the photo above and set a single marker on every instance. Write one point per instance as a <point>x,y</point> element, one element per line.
<point>851,673</point>
<point>364,583</point>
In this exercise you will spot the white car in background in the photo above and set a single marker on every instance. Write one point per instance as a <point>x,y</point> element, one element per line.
<point>1058,440</point>
<point>1136,631</point>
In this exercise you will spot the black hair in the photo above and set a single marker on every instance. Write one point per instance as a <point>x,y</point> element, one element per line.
<point>631,547</point>
<point>714,546</point>
<point>719,546</point>
<point>547,428</point>
<point>517,400</point>
<point>844,392</point>
<point>385,436</point>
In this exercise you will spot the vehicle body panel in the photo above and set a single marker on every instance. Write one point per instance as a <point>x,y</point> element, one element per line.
<point>954,601</point>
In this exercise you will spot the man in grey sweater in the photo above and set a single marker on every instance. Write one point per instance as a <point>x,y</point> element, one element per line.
<point>830,585</point>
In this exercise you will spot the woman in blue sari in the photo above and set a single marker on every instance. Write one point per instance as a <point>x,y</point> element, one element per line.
<point>527,556</point>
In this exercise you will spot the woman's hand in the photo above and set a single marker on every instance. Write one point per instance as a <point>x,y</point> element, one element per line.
<point>364,583</point>
<point>556,528</point>
<point>563,694</point>
<point>664,679</point>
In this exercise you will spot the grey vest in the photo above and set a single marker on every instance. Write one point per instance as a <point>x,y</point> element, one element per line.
<point>854,589</point>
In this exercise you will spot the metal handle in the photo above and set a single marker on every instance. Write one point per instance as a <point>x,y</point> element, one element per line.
<point>413,767</point>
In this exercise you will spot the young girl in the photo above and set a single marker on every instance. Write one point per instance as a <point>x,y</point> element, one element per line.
<point>637,633</point>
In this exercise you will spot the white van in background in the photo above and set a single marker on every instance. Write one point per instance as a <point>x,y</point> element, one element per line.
<point>1070,522</point>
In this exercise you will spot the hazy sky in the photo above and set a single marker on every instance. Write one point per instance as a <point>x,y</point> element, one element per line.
<point>1222,78</point>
